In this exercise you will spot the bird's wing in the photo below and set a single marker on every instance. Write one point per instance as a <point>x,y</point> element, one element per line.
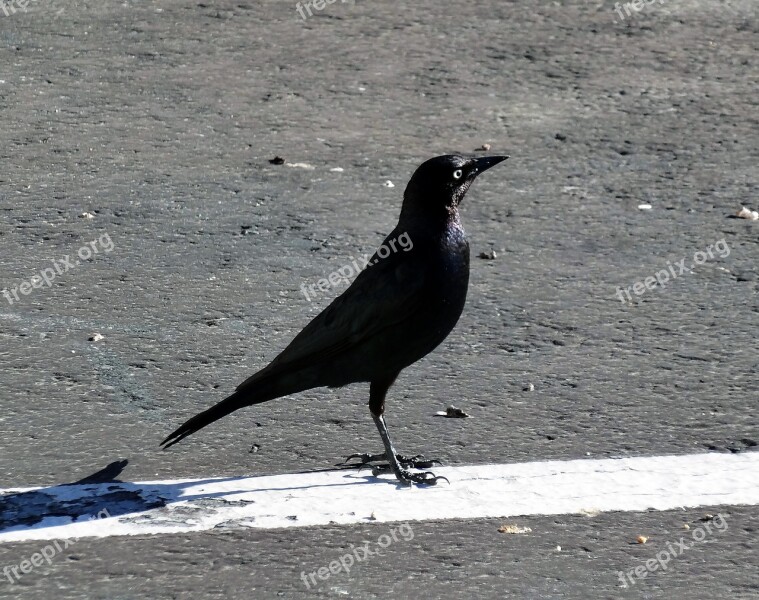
<point>384,295</point>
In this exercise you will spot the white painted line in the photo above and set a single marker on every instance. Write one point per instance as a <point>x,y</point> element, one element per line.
<point>297,500</point>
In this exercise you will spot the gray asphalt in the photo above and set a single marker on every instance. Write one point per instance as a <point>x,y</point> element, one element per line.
<point>159,120</point>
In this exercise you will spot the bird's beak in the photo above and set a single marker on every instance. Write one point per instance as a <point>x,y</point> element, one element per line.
<point>484,163</point>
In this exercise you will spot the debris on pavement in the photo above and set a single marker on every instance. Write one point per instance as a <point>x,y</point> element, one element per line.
<point>452,413</point>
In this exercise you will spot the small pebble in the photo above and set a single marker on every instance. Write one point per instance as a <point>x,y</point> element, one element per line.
<point>87,215</point>
<point>528,388</point>
<point>96,337</point>
<point>641,539</point>
<point>389,183</point>
<point>745,213</point>
<point>483,148</point>
<point>337,169</point>
<point>491,255</point>
<point>452,413</point>
<point>514,529</point>
<point>706,517</point>
<point>644,206</point>
<point>277,160</point>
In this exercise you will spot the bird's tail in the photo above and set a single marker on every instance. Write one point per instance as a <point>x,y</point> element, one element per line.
<point>254,393</point>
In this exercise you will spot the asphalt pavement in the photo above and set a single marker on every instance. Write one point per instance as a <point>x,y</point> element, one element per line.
<point>136,176</point>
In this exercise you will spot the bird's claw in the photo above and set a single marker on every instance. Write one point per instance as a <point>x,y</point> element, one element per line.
<point>418,461</point>
<point>412,462</point>
<point>406,477</point>
<point>401,468</point>
<point>363,459</point>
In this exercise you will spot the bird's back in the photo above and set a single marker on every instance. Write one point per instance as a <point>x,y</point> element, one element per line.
<point>395,312</point>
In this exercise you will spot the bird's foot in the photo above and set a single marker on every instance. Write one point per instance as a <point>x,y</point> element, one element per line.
<point>401,467</point>
<point>406,477</point>
<point>412,462</point>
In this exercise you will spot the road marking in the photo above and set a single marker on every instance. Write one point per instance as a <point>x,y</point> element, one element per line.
<point>350,496</point>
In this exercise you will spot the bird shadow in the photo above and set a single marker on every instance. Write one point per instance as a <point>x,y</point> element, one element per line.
<point>103,494</point>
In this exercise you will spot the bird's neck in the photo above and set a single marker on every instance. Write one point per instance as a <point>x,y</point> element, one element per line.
<point>431,216</point>
<point>430,226</point>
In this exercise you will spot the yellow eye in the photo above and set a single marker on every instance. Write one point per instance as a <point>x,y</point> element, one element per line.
<point>457,174</point>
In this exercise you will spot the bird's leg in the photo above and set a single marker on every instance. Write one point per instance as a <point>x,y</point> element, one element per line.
<point>377,392</point>
<point>401,473</point>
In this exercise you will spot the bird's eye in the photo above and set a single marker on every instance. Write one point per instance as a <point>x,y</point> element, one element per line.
<point>457,174</point>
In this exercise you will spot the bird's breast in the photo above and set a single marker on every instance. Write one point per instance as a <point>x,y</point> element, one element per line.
<point>446,276</point>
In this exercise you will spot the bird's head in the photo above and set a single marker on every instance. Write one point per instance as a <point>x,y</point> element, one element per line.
<point>440,183</point>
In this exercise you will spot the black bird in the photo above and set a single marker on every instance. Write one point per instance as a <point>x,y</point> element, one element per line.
<point>395,312</point>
